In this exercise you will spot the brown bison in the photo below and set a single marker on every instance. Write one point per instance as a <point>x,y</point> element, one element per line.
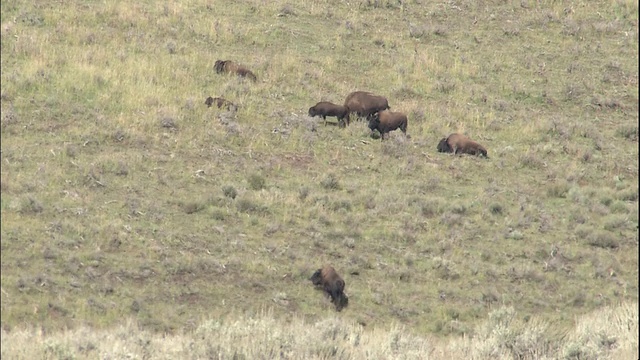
<point>364,103</point>
<point>332,284</point>
<point>460,144</point>
<point>228,66</point>
<point>325,108</point>
<point>385,121</point>
<point>220,103</point>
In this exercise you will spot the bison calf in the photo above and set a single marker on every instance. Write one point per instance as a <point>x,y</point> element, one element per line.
<point>332,283</point>
<point>386,121</point>
<point>220,103</point>
<point>228,66</point>
<point>325,108</point>
<point>460,144</point>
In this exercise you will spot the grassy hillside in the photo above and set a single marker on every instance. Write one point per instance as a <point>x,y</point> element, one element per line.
<point>124,196</point>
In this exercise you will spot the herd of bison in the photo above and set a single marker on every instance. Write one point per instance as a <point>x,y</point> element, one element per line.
<point>365,105</point>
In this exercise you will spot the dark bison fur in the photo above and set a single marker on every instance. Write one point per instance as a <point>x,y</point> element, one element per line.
<point>220,103</point>
<point>328,279</point>
<point>325,108</point>
<point>460,144</point>
<point>386,121</point>
<point>364,103</point>
<point>228,66</point>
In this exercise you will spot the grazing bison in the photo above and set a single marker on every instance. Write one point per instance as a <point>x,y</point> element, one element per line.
<point>228,66</point>
<point>385,121</point>
<point>332,284</point>
<point>460,144</point>
<point>220,103</point>
<point>364,103</point>
<point>325,108</point>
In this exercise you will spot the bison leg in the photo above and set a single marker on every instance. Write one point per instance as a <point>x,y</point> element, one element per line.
<point>335,296</point>
<point>330,292</point>
<point>339,300</point>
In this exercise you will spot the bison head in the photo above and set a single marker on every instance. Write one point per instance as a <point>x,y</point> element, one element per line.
<point>312,111</point>
<point>374,120</point>
<point>219,66</point>
<point>209,101</point>
<point>443,146</point>
<point>316,278</point>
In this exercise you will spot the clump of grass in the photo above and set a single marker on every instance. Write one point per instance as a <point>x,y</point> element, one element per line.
<point>580,195</point>
<point>629,132</point>
<point>31,205</point>
<point>218,214</point>
<point>330,182</point>
<point>458,208</point>
<point>501,105</point>
<point>405,92</point>
<point>303,193</point>
<point>287,10</point>
<point>71,151</point>
<point>606,200</point>
<point>558,189</point>
<point>445,86</point>
<point>122,169</point>
<point>450,219</point>
<point>496,209</point>
<point>445,269</point>
<point>395,145</point>
<point>583,231</point>
<point>194,207</point>
<point>340,204</point>
<point>249,205</point>
<point>431,208</point>
<point>256,182</point>
<point>615,222</point>
<point>515,235</point>
<point>603,239</point>
<point>578,217</point>
<point>618,207</point>
<point>229,191</point>
<point>511,31</point>
<point>531,160</point>
<point>629,194</point>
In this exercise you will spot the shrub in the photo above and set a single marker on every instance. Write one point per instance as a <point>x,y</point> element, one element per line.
<point>496,209</point>
<point>603,239</point>
<point>256,182</point>
<point>229,191</point>
<point>431,208</point>
<point>330,182</point>
<point>558,189</point>
<point>630,194</point>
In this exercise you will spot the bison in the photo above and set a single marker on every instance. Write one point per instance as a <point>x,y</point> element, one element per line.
<point>364,103</point>
<point>220,103</point>
<point>328,279</point>
<point>385,121</point>
<point>460,144</point>
<point>228,66</point>
<point>325,108</point>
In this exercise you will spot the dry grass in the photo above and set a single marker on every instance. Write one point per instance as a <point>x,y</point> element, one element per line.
<point>610,333</point>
